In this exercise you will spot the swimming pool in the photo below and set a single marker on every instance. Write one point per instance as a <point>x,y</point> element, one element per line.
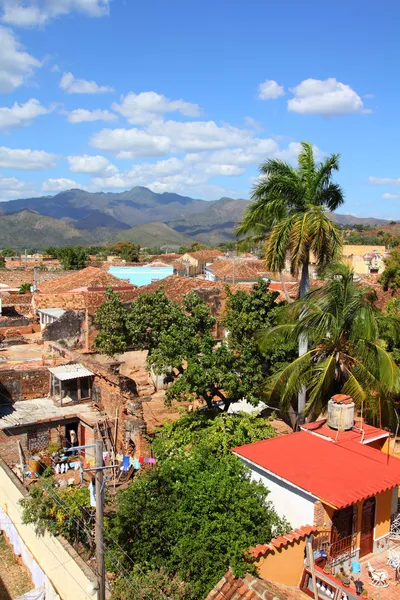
<point>141,275</point>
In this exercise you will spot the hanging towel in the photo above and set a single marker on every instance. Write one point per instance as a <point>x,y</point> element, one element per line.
<point>146,461</point>
<point>105,456</point>
<point>125,463</point>
<point>57,468</point>
<point>136,464</point>
<point>141,460</point>
<point>92,493</point>
<point>152,461</point>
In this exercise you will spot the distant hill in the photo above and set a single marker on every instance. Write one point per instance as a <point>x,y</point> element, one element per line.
<point>77,216</point>
<point>352,220</point>
<point>155,234</point>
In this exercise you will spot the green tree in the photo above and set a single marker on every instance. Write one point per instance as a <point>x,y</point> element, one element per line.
<point>73,257</point>
<point>24,288</point>
<point>290,206</point>
<point>2,262</point>
<point>57,510</point>
<point>214,431</point>
<point>346,352</point>
<point>110,321</point>
<point>195,516</point>
<point>390,278</point>
<point>151,584</point>
<point>127,251</point>
<point>8,252</point>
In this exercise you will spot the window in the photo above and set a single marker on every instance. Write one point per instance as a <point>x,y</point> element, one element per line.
<point>38,439</point>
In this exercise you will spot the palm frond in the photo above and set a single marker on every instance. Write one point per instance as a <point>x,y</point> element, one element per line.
<point>277,245</point>
<point>320,385</point>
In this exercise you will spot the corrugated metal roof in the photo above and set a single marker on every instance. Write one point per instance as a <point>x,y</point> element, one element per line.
<point>65,372</point>
<point>338,473</point>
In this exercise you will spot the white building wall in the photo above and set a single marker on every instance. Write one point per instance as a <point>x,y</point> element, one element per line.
<point>290,502</point>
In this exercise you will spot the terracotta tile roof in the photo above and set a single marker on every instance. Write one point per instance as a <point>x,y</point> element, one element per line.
<point>251,588</point>
<point>89,277</point>
<point>281,541</point>
<point>205,254</point>
<point>227,269</point>
<point>16,299</point>
<point>338,473</point>
<point>176,286</point>
<point>165,258</point>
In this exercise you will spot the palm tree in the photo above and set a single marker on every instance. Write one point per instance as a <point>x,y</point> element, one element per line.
<point>346,353</point>
<point>291,205</point>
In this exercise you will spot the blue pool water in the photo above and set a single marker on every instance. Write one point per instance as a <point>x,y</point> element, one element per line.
<point>141,275</point>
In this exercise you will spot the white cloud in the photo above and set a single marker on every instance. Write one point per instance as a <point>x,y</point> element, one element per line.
<point>16,65</point>
<point>81,86</point>
<point>97,165</point>
<point>270,90</point>
<point>21,114</point>
<point>391,196</point>
<point>55,69</point>
<point>253,124</point>
<point>384,181</point>
<point>328,98</point>
<point>81,115</point>
<point>369,96</point>
<point>32,13</point>
<point>12,188</point>
<point>60,185</point>
<point>147,107</point>
<point>25,160</point>
<point>133,141</point>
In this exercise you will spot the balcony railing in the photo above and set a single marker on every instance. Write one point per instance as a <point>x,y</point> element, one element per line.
<point>334,551</point>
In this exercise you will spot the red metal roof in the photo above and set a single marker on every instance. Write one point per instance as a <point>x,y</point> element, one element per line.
<point>370,433</point>
<point>337,473</point>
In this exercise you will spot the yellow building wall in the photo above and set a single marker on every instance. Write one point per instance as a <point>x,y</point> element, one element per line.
<point>353,249</point>
<point>284,566</point>
<point>382,515</point>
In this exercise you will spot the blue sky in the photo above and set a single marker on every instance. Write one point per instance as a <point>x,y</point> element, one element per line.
<point>191,97</point>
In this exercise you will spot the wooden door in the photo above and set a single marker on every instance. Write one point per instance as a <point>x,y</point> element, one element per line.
<point>367,527</point>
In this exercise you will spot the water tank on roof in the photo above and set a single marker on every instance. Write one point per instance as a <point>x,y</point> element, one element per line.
<point>341,412</point>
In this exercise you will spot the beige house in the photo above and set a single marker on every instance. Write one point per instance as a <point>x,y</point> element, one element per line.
<point>194,263</point>
<point>364,259</point>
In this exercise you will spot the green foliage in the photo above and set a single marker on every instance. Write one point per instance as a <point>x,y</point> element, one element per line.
<point>24,288</point>
<point>73,257</point>
<point>7,252</point>
<point>195,516</point>
<point>346,354</point>
<point>56,510</point>
<point>127,251</point>
<point>217,433</point>
<point>290,204</point>
<point>179,340</point>
<point>110,320</point>
<point>390,278</point>
<point>149,584</point>
<point>2,262</point>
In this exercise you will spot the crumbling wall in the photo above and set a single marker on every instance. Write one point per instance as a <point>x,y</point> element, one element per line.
<point>120,397</point>
<point>69,329</point>
<point>24,385</point>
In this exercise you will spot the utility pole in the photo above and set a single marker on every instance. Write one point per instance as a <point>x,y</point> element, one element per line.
<point>99,533</point>
<point>26,260</point>
<point>34,279</point>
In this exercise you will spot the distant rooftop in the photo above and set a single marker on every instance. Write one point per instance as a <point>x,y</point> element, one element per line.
<point>85,278</point>
<point>41,410</point>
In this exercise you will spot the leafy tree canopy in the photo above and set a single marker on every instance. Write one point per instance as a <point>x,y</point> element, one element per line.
<point>390,278</point>
<point>127,251</point>
<point>195,517</point>
<point>110,320</point>
<point>7,252</point>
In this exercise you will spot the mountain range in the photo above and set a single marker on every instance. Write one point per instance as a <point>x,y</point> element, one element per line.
<point>138,215</point>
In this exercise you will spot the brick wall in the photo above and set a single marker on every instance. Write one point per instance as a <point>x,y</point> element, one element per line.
<point>119,397</point>
<point>24,385</point>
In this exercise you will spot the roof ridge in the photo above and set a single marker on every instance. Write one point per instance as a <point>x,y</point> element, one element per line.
<point>281,541</point>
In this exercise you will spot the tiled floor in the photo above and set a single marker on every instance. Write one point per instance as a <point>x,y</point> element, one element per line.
<point>379,562</point>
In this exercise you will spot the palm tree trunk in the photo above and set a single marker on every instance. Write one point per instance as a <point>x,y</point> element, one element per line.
<point>303,341</point>
<point>284,287</point>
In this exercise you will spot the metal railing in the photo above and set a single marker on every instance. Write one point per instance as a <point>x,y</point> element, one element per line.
<point>340,549</point>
